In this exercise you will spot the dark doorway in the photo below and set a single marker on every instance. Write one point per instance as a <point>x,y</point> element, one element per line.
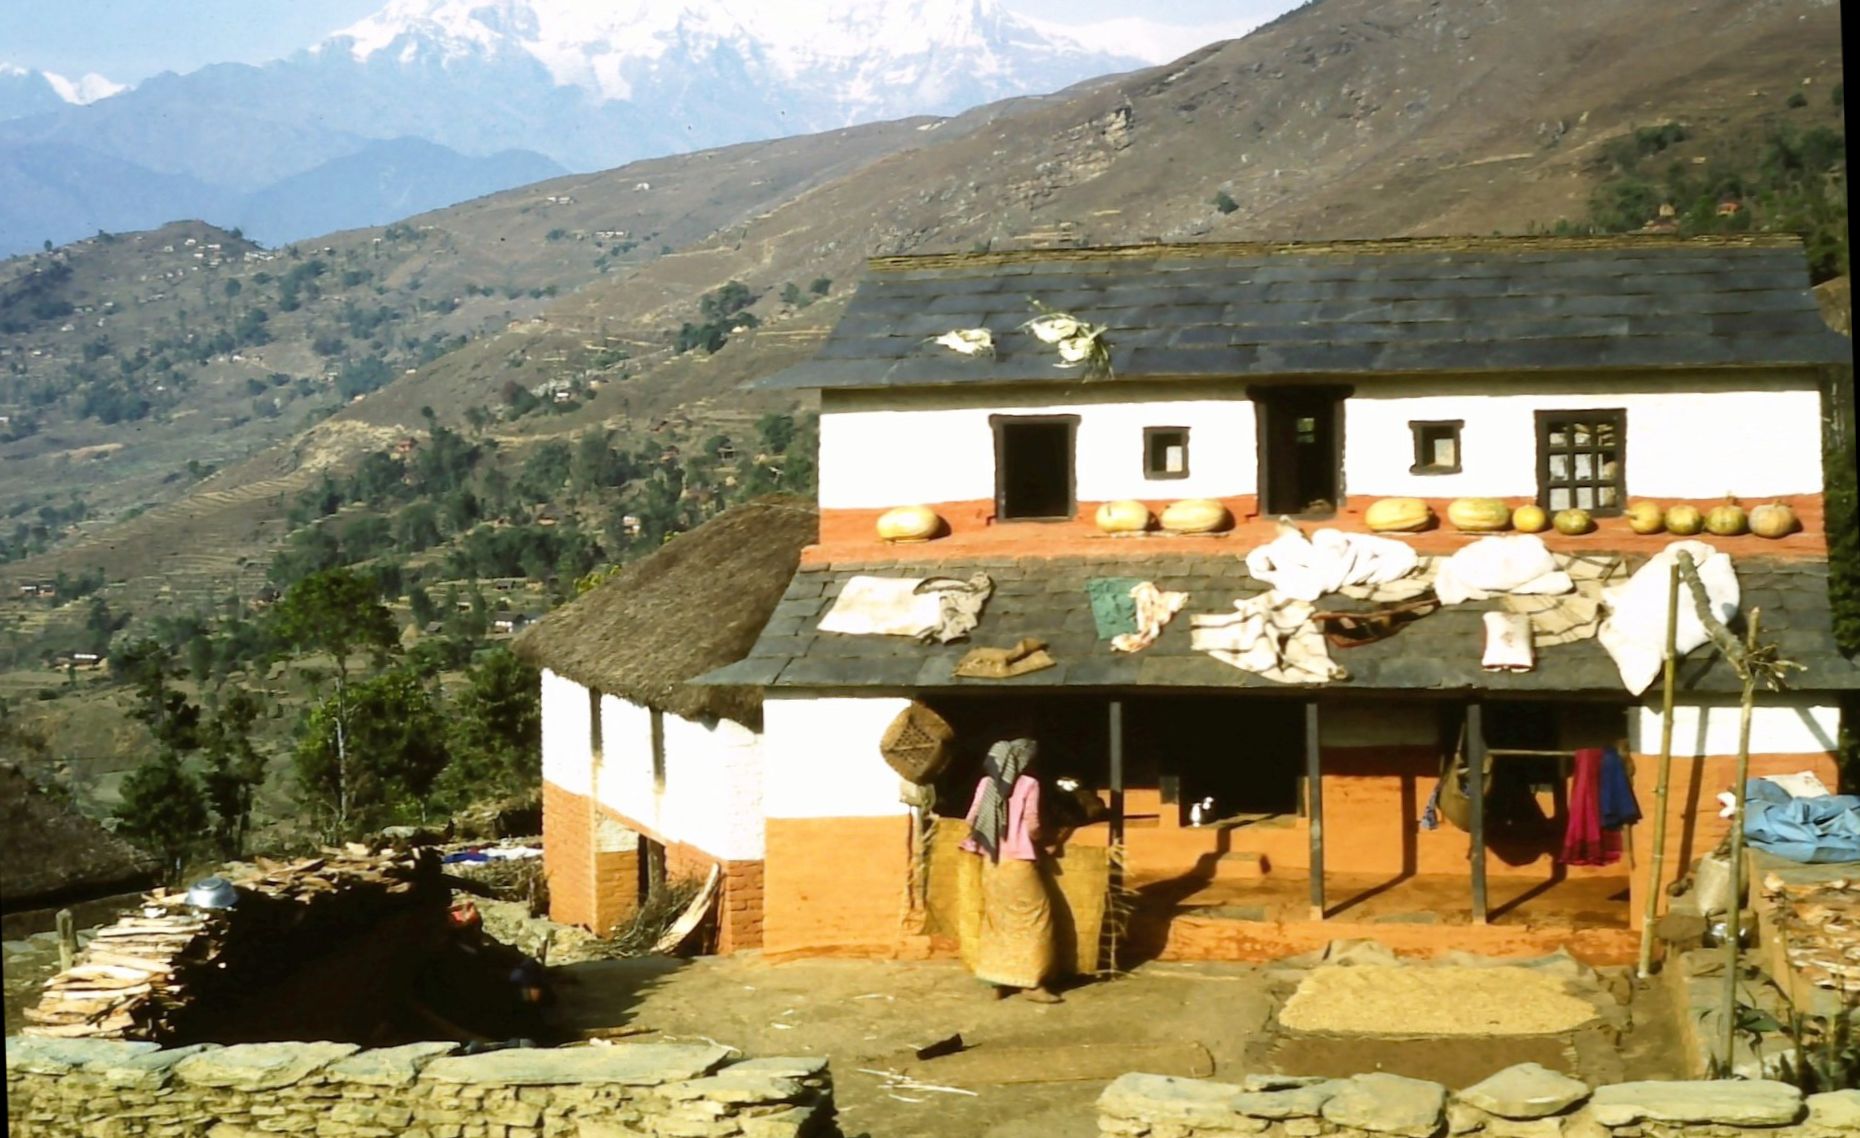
<point>1034,467</point>
<point>1247,755</point>
<point>1300,449</point>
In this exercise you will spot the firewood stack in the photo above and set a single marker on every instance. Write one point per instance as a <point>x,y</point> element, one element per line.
<point>1820,925</point>
<point>138,978</point>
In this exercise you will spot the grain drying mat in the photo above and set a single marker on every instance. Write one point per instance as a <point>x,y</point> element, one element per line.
<point>1380,999</point>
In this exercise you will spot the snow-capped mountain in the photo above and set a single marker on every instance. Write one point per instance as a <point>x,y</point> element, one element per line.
<point>587,83</point>
<point>773,68</point>
<point>24,92</point>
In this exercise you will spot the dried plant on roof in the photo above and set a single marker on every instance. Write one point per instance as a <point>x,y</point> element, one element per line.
<point>968,341</point>
<point>1078,342</point>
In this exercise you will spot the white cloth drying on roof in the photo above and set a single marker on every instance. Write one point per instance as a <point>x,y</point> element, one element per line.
<point>1507,642</point>
<point>1154,609</point>
<point>882,606</point>
<point>1270,634</point>
<point>1492,565</point>
<point>1305,569</point>
<point>1634,631</point>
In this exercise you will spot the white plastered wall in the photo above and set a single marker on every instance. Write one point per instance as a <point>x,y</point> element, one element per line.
<point>566,758</point>
<point>941,448</point>
<point>822,758</point>
<point>711,796</point>
<point>1779,725</point>
<point>1688,436</point>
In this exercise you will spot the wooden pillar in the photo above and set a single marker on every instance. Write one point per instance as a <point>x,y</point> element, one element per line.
<point>1117,772</point>
<point>1475,791</point>
<point>1314,808</point>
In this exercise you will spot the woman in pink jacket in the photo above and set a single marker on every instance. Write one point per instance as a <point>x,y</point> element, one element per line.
<point>1007,913</point>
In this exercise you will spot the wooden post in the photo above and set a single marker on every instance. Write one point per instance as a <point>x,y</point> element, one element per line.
<point>1117,772</point>
<point>1727,1029</point>
<point>1657,863</point>
<point>67,939</point>
<point>1314,808</point>
<point>1475,792</point>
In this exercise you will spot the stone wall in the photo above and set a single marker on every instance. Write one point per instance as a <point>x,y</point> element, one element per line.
<point>115,1089</point>
<point>1526,1101</point>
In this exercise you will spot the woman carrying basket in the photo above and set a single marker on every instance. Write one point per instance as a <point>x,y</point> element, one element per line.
<point>1007,916</point>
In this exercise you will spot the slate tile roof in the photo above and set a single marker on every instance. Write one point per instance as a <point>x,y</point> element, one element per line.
<point>1367,307</point>
<point>1045,598</point>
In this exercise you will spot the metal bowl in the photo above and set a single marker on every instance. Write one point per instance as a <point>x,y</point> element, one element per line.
<point>212,893</point>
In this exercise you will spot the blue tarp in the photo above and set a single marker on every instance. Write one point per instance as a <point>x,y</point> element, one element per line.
<point>1820,829</point>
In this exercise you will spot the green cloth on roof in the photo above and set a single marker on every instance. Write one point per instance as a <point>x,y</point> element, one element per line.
<point>1112,609</point>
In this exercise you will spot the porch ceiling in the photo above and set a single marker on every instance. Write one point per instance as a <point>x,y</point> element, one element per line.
<point>1046,599</point>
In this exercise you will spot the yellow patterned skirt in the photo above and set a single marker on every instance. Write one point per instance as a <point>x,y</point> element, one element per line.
<point>1007,921</point>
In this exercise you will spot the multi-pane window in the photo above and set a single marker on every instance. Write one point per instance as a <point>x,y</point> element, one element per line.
<point>1582,460</point>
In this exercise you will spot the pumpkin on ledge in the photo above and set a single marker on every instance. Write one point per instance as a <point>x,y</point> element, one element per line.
<point>1125,515</point>
<point>1398,515</point>
<point>1194,515</point>
<point>909,523</point>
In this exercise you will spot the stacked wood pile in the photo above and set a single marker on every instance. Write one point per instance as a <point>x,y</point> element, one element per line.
<point>140,977</point>
<point>1819,923</point>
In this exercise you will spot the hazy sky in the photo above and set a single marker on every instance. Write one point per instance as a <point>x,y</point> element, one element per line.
<point>129,40</point>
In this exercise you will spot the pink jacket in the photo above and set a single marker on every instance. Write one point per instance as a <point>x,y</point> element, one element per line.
<point>1023,819</point>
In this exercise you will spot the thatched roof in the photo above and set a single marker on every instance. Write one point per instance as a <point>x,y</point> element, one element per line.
<point>50,854</point>
<point>696,604</point>
<point>1836,298</point>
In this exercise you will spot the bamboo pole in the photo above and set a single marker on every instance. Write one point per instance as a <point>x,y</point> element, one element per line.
<point>1727,1036</point>
<point>1658,861</point>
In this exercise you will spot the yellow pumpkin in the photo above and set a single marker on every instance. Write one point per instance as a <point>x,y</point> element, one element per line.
<point>1727,520</point>
<point>1684,520</point>
<point>909,523</point>
<point>1479,515</point>
<point>1646,517</point>
<point>1530,519</point>
<point>1394,515</point>
<point>1194,515</point>
<point>1126,515</point>
<point>1573,522</point>
<point>1773,520</point>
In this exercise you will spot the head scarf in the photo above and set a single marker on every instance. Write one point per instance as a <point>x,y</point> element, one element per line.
<point>1004,764</point>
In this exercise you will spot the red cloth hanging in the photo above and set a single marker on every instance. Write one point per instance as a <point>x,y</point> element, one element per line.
<point>1586,842</point>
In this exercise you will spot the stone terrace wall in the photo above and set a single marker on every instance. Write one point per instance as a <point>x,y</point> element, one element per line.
<point>1526,1101</point>
<point>115,1089</point>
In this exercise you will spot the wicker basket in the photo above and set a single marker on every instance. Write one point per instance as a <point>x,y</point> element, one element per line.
<point>917,744</point>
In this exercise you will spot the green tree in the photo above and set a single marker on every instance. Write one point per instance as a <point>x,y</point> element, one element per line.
<point>339,613</point>
<point>496,730</point>
<point>170,716</point>
<point>235,770</point>
<point>163,811</point>
<point>384,746</point>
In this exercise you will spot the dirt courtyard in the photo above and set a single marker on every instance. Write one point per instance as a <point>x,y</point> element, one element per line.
<point>866,1016</point>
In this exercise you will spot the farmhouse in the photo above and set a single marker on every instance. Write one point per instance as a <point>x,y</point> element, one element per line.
<point>1306,382</point>
<point>644,774</point>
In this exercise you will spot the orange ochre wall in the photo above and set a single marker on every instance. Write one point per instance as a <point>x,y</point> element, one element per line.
<point>599,890</point>
<point>835,886</point>
<point>1693,827</point>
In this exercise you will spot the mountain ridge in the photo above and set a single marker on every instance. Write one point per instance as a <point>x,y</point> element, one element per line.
<point>1352,118</point>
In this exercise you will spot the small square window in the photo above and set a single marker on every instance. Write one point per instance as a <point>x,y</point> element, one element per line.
<point>1436,446</point>
<point>1165,452</point>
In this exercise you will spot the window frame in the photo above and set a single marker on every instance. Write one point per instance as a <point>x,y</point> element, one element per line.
<point>1422,465</point>
<point>1617,416</point>
<point>997,424</point>
<point>1150,473</point>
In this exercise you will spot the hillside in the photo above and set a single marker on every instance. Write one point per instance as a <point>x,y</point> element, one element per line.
<point>1345,118</point>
